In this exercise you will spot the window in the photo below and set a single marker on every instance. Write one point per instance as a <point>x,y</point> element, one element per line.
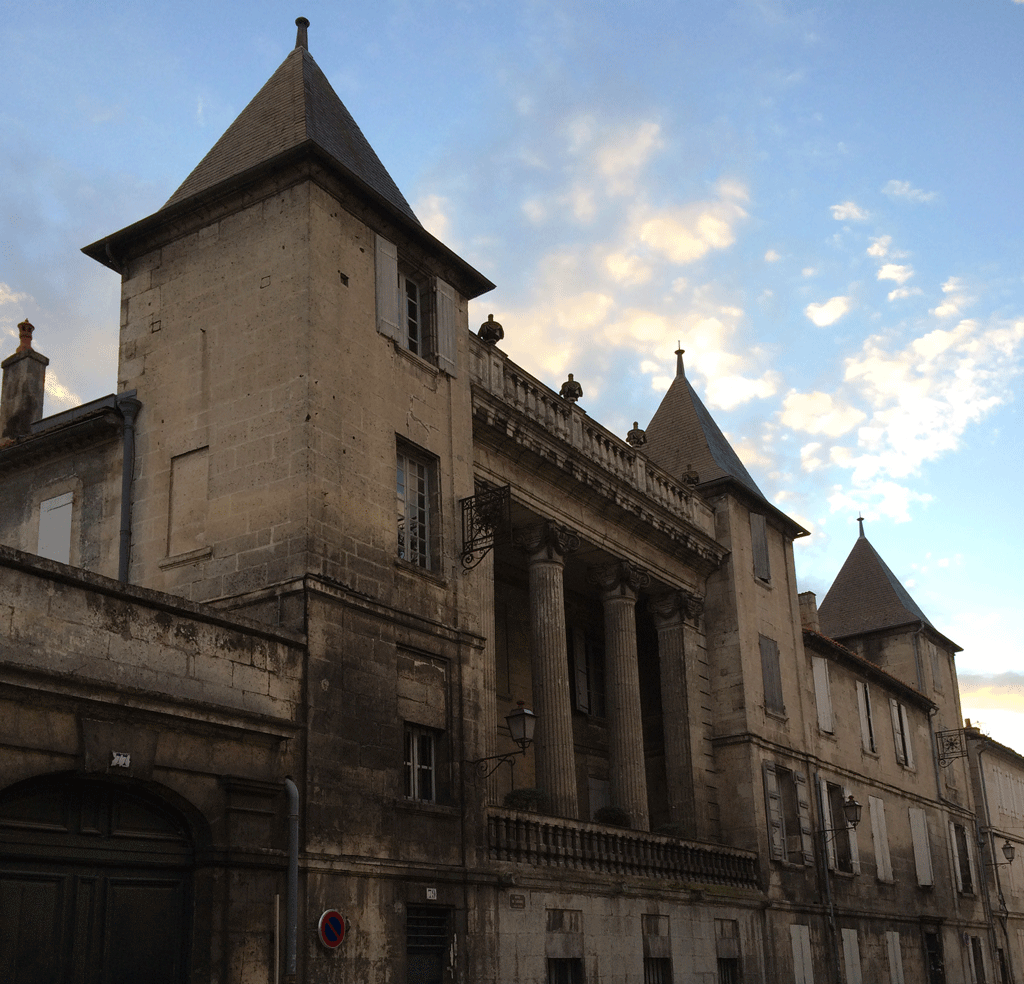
<point>977,960</point>
<point>851,957</point>
<point>901,733</point>
<point>427,944</point>
<point>418,311</point>
<point>771,675</point>
<point>55,528</point>
<point>416,484</point>
<point>841,846</point>
<point>586,669</point>
<point>867,725</point>
<point>892,946</point>
<point>922,847</point>
<point>565,970</point>
<point>880,839</point>
<point>657,970</point>
<point>759,544</point>
<point>822,694</point>
<point>420,764</point>
<point>789,815</point>
<point>963,863</point>
<point>803,968</point>
<point>728,970</point>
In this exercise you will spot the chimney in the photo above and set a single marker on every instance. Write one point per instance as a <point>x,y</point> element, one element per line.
<point>809,611</point>
<point>21,395</point>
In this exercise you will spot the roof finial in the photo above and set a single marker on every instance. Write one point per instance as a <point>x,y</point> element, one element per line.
<point>25,330</point>
<point>860,522</point>
<point>679,359</point>
<point>301,39</point>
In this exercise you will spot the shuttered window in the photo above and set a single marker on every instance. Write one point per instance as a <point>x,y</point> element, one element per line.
<point>880,839</point>
<point>867,724</point>
<point>759,544</point>
<point>771,675</point>
<point>788,811</point>
<point>901,733</point>
<point>822,694</point>
<point>803,968</point>
<point>851,957</point>
<point>892,946</point>
<point>922,847</point>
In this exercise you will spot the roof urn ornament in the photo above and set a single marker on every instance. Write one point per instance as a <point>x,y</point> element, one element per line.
<point>637,437</point>
<point>571,390</point>
<point>491,332</point>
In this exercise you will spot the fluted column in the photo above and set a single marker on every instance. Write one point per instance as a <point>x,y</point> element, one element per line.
<point>683,729</point>
<point>546,545</point>
<point>619,583</point>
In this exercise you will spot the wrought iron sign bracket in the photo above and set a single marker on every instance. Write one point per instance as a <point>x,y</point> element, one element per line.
<point>952,745</point>
<point>486,522</point>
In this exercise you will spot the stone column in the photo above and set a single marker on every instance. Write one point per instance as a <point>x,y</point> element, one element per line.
<point>682,724</point>
<point>619,583</point>
<point>546,545</point>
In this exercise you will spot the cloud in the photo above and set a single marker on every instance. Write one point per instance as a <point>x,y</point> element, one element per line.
<point>433,213</point>
<point>829,312</point>
<point>956,299</point>
<point>684,235</point>
<point>819,413</point>
<point>772,257</point>
<point>894,271</point>
<point>879,246</point>
<point>902,189</point>
<point>900,292</point>
<point>728,392</point>
<point>9,296</point>
<point>627,269</point>
<point>848,212</point>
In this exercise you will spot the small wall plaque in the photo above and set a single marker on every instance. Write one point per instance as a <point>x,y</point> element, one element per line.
<point>517,901</point>
<point>120,760</point>
<point>431,894</point>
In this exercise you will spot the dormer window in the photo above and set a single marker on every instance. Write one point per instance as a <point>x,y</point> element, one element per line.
<point>418,311</point>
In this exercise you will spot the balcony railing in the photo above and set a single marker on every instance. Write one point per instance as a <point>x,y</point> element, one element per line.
<point>552,843</point>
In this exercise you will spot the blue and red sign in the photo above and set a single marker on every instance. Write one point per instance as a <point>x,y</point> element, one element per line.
<point>331,929</point>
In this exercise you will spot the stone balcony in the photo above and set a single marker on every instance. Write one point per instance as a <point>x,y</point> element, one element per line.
<point>517,408</point>
<point>551,842</point>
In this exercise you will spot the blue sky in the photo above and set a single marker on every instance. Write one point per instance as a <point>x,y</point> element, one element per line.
<point>821,201</point>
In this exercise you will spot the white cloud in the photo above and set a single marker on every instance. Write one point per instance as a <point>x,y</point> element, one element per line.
<point>8,296</point>
<point>956,299</point>
<point>900,292</point>
<point>433,213</point>
<point>829,312</point>
<point>879,246</point>
<point>772,257</point>
<point>808,272</point>
<point>894,271</point>
<point>729,392</point>
<point>627,269</point>
<point>902,189</point>
<point>819,413</point>
<point>810,459</point>
<point>848,212</point>
<point>686,234</point>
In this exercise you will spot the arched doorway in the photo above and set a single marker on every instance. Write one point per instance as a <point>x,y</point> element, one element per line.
<point>95,884</point>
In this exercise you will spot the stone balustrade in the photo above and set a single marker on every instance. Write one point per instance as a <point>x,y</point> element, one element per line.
<point>549,842</point>
<point>532,414</point>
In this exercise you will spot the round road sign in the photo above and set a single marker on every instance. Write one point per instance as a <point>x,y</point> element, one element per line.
<point>331,929</point>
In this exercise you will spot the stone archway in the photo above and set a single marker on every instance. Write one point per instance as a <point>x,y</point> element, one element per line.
<point>95,884</point>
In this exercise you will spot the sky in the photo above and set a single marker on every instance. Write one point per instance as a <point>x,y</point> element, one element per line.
<point>820,202</point>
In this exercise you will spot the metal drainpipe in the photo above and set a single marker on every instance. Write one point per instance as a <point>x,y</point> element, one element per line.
<point>829,901</point>
<point>292,901</point>
<point>129,408</point>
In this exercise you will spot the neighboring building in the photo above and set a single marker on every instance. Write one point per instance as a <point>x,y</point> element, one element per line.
<point>318,545</point>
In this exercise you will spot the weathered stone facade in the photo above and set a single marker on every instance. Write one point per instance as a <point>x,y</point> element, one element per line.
<point>314,438</point>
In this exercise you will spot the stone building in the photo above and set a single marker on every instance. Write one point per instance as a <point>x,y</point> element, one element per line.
<point>264,611</point>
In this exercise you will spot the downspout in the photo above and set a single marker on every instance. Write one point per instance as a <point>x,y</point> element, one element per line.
<point>830,902</point>
<point>292,900</point>
<point>129,408</point>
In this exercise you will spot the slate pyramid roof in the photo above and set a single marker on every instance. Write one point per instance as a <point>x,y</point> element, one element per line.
<point>683,436</point>
<point>867,597</point>
<point>296,105</point>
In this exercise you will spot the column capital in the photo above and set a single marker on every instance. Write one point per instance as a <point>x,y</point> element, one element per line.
<point>675,606</point>
<point>621,578</point>
<point>546,540</point>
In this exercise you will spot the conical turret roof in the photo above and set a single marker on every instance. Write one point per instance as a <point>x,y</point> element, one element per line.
<point>296,105</point>
<point>867,597</point>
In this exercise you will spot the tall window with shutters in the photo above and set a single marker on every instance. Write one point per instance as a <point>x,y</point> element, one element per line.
<point>759,546</point>
<point>788,809</point>
<point>963,861</point>
<point>880,840</point>
<point>822,694</point>
<point>842,853</point>
<point>417,311</point>
<point>901,733</point>
<point>867,723</point>
<point>771,675</point>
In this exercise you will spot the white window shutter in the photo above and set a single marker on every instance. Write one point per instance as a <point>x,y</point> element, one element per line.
<point>880,836</point>
<point>830,823</point>
<point>447,321</point>
<point>851,957</point>
<point>922,848</point>
<point>892,944</point>
<point>773,809</point>
<point>897,729</point>
<point>800,940</point>
<point>955,850</point>
<point>388,309</point>
<point>803,807</point>
<point>822,694</point>
<point>905,729</point>
<point>867,737</point>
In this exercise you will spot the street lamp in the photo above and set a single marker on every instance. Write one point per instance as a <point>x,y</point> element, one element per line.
<point>521,723</point>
